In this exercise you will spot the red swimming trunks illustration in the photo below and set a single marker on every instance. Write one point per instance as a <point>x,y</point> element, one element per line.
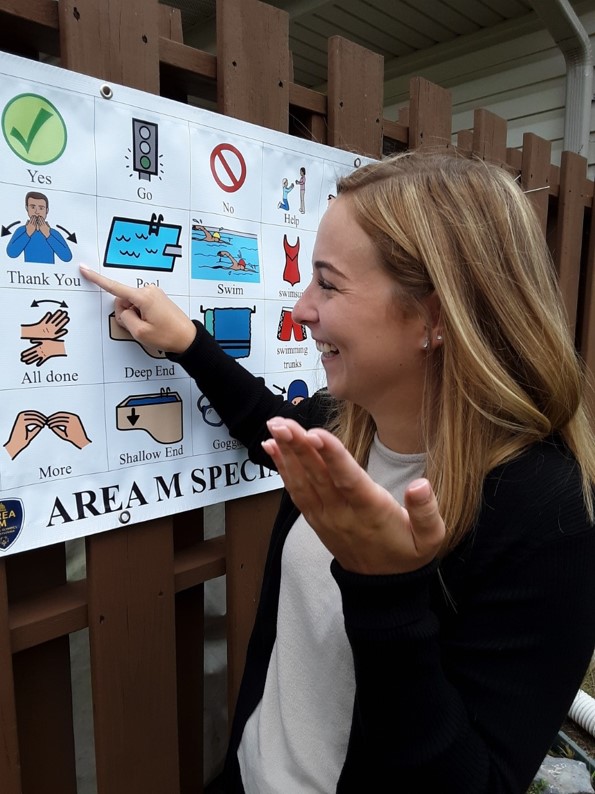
<point>288,328</point>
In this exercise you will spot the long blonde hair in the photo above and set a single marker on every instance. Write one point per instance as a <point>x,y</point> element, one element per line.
<point>507,373</point>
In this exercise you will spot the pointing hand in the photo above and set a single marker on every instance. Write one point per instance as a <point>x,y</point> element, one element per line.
<point>148,314</point>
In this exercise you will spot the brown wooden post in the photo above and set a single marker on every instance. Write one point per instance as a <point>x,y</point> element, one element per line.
<point>355,97</point>
<point>253,63</point>
<point>132,637</point>
<point>248,524</point>
<point>43,702</point>
<point>465,141</point>
<point>489,136</point>
<point>10,772</point>
<point>253,85</point>
<point>129,570</point>
<point>112,39</point>
<point>189,531</point>
<point>569,233</point>
<point>535,174</point>
<point>430,114</point>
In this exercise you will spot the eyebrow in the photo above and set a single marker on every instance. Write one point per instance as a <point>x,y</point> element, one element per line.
<point>321,265</point>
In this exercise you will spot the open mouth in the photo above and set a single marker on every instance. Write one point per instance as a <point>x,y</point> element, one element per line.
<point>326,349</point>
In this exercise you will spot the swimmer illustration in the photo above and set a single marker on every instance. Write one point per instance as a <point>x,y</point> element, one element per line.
<point>47,336</point>
<point>286,188</point>
<point>236,253</point>
<point>302,184</point>
<point>28,424</point>
<point>36,239</point>
<point>236,264</point>
<point>210,235</point>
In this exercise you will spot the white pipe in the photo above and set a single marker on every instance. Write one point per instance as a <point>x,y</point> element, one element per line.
<point>582,711</point>
<point>567,31</point>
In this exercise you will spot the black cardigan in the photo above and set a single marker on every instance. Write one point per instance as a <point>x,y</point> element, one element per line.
<point>464,670</point>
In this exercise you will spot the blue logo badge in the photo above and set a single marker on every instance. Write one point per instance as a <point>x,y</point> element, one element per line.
<point>12,515</point>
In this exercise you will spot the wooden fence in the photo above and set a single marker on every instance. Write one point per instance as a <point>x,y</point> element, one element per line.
<point>142,599</point>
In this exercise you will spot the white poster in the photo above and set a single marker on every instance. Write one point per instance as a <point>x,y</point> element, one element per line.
<point>98,431</point>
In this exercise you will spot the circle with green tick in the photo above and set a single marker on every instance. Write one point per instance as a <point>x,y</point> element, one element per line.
<point>34,129</point>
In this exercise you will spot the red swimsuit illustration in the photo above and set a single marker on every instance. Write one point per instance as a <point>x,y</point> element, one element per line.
<point>291,273</point>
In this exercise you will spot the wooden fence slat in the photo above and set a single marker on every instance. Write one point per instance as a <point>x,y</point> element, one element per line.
<point>47,615</point>
<point>43,702</point>
<point>465,141</point>
<point>355,97</point>
<point>44,713</point>
<point>112,39</point>
<point>430,114</point>
<point>252,79</point>
<point>170,23</point>
<point>133,675</point>
<point>535,174</point>
<point>29,26</point>
<point>489,136</point>
<point>569,233</point>
<point>10,773</point>
<point>248,524</point>
<point>395,131</point>
<point>253,85</point>
<point>189,604</point>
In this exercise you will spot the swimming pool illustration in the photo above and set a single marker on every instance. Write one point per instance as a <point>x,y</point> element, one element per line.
<point>143,245</point>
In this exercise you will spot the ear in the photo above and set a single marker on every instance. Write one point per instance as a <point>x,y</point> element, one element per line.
<point>434,320</point>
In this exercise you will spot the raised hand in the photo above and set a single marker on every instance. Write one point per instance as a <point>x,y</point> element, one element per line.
<point>26,426</point>
<point>147,314</point>
<point>51,326</point>
<point>361,524</point>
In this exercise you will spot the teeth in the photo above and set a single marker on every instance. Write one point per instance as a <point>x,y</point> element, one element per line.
<point>325,347</point>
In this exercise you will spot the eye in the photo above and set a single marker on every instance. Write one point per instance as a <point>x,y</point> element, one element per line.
<point>324,284</point>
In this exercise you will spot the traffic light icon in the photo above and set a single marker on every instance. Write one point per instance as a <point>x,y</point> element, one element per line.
<point>145,148</point>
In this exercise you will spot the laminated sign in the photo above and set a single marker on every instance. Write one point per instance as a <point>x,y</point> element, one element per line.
<point>97,429</point>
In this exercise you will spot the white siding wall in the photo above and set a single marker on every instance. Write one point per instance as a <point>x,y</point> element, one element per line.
<point>521,79</point>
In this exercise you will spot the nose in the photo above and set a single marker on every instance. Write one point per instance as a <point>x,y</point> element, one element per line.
<point>305,310</point>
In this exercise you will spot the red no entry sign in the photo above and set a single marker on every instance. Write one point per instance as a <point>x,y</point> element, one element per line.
<point>228,167</point>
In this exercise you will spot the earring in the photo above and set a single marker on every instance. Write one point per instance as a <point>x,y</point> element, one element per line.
<point>439,337</point>
<point>426,344</point>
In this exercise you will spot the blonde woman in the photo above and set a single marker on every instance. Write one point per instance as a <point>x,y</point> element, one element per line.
<point>426,613</point>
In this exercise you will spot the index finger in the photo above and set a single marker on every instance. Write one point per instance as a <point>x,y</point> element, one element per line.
<point>115,288</point>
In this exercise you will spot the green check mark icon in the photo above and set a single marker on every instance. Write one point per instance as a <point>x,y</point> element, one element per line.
<point>42,116</point>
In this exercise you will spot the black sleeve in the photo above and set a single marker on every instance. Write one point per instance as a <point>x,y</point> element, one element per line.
<point>467,700</point>
<point>242,400</point>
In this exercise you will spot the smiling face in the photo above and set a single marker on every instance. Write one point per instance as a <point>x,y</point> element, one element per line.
<point>372,349</point>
